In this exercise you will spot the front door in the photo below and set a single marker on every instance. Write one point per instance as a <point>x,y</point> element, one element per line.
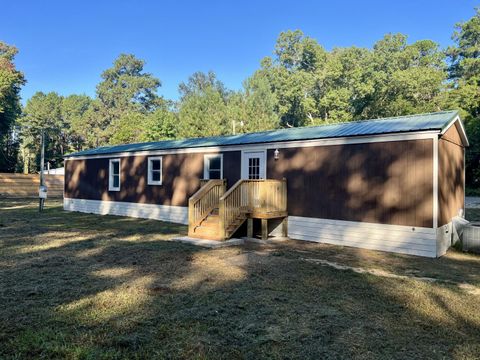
<point>253,165</point>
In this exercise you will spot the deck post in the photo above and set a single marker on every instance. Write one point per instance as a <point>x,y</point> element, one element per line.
<point>250,227</point>
<point>221,215</point>
<point>190,217</point>
<point>264,229</point>
<point>285,226</point>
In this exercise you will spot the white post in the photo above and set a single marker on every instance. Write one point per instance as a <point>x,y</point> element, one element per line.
<point>42,164</point>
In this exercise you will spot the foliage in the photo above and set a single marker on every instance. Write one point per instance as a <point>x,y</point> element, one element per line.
<point>74,109</point>
<point>125,87</point>
<point>406,78</point>
<point>11,81</point>
<point>160,125</point>
<point>465,93</point>
<point>43,113</point>
<point>314,86</point>
<point>128,128</point>
<point>207,108</point>
<point>254,106</point>
<point>200,82</point>
<point>203,113</point>
<point>291,75</point>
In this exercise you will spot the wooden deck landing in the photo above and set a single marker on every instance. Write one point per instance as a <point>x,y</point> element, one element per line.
<point>217,214</point>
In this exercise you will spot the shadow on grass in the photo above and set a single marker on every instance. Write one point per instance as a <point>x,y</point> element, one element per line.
<point>86,286</point>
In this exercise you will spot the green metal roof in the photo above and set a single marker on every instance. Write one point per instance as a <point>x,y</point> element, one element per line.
<point>402,124</point>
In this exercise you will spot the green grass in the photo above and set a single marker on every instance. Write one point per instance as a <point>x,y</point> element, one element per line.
<point>82,286</point>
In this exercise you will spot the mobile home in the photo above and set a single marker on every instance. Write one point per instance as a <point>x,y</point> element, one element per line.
<point>391,184</point>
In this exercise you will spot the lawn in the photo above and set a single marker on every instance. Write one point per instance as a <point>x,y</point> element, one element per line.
<point>100,287</point>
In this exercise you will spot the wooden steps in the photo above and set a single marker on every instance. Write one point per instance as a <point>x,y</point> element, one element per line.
<point>208,228</point>
<point>234,225</point>
<point>217,214</point>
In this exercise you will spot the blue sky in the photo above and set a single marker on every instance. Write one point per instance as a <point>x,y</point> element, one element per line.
<point>65,45</point>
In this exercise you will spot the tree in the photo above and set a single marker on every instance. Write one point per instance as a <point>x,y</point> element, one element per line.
<point>406,78</point>
<point>73,109</point>
<point>161,125</point>
<point>342,85</point>
<point>208,108</point>
<point>43,113</point>
<point>125,89</point>
<point>94,128</point>
<point>464,72</point>
<point>291,75</point>
<point>313,86</point>
<point>199,82</point>
<point>203,113</point>
<point>260,106</point>
<point>294,51</point>
<point>128,129</point>
<point>255,106</point>
<point>11,81</point>
<point>465,56</point>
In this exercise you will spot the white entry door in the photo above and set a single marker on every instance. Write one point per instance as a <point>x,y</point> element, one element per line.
<point>253,165</point>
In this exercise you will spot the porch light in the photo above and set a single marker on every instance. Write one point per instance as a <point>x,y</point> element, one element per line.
<point>275,154</point>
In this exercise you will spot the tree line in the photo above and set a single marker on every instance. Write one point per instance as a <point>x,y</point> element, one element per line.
<point>301,84</point>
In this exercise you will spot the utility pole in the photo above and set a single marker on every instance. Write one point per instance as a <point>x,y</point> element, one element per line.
<point>42,164</point>
<point>234,126</point>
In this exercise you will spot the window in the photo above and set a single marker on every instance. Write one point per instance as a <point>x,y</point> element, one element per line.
<point>114,175</point>
<point>254,168</point>
<point>155,171</point>
<point>213,167</point>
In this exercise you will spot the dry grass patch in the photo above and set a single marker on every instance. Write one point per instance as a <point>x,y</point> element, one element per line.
<point>83,286</point>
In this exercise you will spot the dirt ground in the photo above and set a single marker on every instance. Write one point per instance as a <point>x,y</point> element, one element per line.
<point>83,286</point>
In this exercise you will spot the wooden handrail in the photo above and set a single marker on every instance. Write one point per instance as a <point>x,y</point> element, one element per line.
<point>232,189</point>
<point>204,189</point>
<point>203,202</point>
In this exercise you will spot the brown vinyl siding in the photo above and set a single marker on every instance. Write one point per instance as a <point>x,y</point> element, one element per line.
<point>453,135</point>
<point>386,183</point>
<point>88,179</point>
<point>451,176</point>
<point>232,167</point>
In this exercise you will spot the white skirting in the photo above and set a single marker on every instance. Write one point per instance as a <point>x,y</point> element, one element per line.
<point>393,238</point>
<point>176,214</point>
<point>444,238</point>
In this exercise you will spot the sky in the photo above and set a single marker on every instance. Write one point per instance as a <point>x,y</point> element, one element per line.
<point>65,45</point>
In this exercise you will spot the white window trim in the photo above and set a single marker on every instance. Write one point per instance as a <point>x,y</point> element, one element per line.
<point>110,175</point>
<point>206,165</point>
<point>150,171</point>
